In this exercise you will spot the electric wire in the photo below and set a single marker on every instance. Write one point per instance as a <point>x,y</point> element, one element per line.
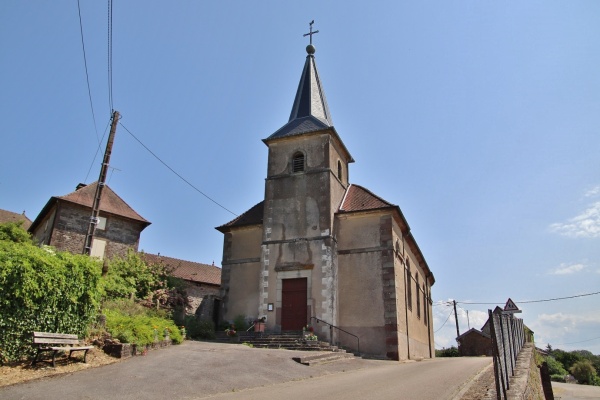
<point>110,85</point>
<point>97,150</point>
<point>451,312</point>
<point>581,341</point>
<point>175,172</point>
<point>87,77</point>
<point>532,301</point>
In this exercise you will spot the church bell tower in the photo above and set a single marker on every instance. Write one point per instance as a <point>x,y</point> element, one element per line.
<point>307,176</point>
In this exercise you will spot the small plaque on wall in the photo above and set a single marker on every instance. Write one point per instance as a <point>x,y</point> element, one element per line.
<point>270,307</point>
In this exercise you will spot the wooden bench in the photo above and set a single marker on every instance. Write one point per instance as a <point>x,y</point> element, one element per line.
<point>45,340</point>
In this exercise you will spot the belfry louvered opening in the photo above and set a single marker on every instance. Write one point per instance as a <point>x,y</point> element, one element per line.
<point>298,162</point>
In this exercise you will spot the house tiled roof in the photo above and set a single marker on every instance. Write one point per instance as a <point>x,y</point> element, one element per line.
<point>253,216</point>
<point>187,270</point>
<point>110,202</point>
<point>9,216</point>
<point>358,198</point>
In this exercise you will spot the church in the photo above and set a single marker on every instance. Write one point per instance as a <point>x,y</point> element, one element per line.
<point>321,251</point>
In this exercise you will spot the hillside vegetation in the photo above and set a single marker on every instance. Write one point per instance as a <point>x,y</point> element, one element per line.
<point>42,289</point>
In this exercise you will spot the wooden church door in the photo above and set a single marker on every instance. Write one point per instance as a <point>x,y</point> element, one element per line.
<point>293,304</point>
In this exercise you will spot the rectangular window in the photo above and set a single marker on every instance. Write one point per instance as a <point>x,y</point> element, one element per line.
<point>418,295</point>
<point>425,308</point>
<point>101,223</point>
<point>408,286</point>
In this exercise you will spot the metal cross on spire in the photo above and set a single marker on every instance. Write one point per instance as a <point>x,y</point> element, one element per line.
<point>311,31</point>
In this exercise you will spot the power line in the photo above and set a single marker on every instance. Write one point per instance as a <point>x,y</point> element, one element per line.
<point>175,172</point>
<point>451,311</point>
<point>87,78</point>
<point>110,96</point>
<point>97,150</point>
<point>581,341</point>
<point>533,301</point>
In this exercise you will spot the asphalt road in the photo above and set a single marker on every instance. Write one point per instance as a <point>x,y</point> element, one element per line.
<point>199,370</point>
<point>571,391</point>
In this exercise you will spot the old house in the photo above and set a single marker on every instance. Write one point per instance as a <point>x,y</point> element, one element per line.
<point>64,221</point>
<point>475,343</point>
<point>202,283</point>
<point>9,216</point>
<point>319,247</point>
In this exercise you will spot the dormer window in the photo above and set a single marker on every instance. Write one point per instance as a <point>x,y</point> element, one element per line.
<point>298,162</point>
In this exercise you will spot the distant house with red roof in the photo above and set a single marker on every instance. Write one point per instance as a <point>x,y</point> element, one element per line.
<point>319,250</point>
<point>202,283</point>
<point>9,216</point>
<point>64,220</point>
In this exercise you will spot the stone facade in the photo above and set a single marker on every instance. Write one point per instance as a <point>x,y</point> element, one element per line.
<point>352,254</point>
<point>202,283</point>
<point>64,221</point>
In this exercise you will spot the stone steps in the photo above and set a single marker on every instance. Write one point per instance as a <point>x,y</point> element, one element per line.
<point>292,341</point>
<point>324,358</point>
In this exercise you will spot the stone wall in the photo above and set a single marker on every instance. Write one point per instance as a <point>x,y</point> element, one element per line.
<point>71,225</point>
<point>526,384</point>
<point>197,292</point>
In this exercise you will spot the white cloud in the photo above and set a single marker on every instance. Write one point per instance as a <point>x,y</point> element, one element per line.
<point>564,328</point>
<point>567,269</point>
<point>586,225</point>
<point>593,192</point>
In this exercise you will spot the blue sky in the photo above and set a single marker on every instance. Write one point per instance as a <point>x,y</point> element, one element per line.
<point>479,119</point>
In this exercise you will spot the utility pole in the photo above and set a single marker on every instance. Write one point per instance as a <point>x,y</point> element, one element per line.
<point>456,318</point>
<point>468,322</point>
<point>87,246</point>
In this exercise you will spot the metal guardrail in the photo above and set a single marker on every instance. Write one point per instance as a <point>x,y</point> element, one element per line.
<point>331,327</point>
<point>508,338</point>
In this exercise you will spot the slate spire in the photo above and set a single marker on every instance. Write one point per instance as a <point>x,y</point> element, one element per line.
<point>310,111</point>
<point>310,98</point>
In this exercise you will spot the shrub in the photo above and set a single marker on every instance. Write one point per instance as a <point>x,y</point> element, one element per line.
<point>555,367</point>
<point>43,290</point>
<point>14,232</point>
<point>240,323</point>
<point>132,323</point>
<point>131,275</point>
<point>449,352</point>
<point>557,378</point>
<point>199,328</point>
<point>584,372</point>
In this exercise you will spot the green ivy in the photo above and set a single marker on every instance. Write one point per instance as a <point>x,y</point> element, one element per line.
<point>42,290</point>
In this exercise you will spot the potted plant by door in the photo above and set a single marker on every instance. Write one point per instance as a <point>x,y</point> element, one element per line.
<point>309,336</point>
<point>232,334</point>
<point>259,325</point>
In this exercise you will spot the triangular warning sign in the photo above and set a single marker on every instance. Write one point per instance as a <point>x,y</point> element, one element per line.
<point>511,306</point>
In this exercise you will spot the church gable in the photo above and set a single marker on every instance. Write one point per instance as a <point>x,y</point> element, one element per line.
<point>254,216</point>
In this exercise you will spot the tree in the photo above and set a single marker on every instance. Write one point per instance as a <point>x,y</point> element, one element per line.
<point>566,358</point>
<point>555,367</point>
<point>584,372</point>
